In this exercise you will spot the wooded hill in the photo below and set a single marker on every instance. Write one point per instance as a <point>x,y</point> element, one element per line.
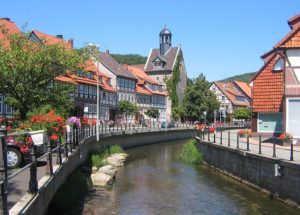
<point>130,59</point>
<point>243,77</point>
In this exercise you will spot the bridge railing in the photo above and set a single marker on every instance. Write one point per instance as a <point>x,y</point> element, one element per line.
<point>260,144</point>
<point>56,155</point>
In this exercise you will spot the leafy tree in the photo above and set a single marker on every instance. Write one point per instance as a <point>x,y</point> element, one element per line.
<point>127,108</point>
<point>243,77</point>
<point>178,113</point>
<point>152,113</point>
<point>28,73</point>
<point>198,98</point>
<point>242,113</point>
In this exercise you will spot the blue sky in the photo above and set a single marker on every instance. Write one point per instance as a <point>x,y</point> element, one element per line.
<point>219,38</point>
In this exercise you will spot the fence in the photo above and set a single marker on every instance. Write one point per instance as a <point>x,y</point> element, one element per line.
<point>267,146</point>
<point>57,155</point>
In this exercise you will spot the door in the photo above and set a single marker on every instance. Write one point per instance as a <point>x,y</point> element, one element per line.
<point>293,117</point>
<point>270,122</point>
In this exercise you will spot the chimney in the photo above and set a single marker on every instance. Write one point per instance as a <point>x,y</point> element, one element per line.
<point>71,42</point>
<point>107,51</point>
<point>60,36</point>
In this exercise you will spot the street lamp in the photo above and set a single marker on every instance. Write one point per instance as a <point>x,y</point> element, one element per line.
<point>93,53</point>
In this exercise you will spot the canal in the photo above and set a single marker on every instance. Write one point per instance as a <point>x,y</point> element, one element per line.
<point>155,181</point>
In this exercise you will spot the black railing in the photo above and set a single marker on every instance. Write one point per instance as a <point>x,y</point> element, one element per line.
<point>271,146</point>
<point>58,154</point>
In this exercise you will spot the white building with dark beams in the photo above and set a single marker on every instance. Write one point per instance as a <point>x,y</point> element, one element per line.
<point>120,79</point>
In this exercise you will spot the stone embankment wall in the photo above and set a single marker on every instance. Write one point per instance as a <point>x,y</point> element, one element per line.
<point>49,185</point>
<point>256,170</point>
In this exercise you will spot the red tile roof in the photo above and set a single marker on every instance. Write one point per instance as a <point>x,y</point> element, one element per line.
<point>7,27</point>
<point>267,93</point>
<point>140,74</point>
<point>65,79</point>
<point>51,40</point>
<point>142,90</point>
<point>244,87</point>
<point>230,92</point>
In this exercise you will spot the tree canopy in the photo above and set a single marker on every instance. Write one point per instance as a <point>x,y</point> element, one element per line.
<point>198,98</point>
<point>127,107</point>
<point>28,71</point>
<point>242,113</point>
<point>152,113</point>
<point>130,59</point>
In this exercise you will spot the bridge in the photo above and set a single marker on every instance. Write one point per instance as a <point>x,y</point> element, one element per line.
<point>29,190</point>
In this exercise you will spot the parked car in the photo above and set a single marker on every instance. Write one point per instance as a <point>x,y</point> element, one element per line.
<point>168,125</point>
<point>19,146</point>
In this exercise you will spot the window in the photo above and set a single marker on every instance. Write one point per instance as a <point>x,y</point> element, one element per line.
<point>279,65</point>
<point>223,98</point>
<point>157,64</point>
<point>109,81</point>
<point>100,79</point>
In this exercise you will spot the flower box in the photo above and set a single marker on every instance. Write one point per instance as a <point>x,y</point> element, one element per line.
<point>39,137</point>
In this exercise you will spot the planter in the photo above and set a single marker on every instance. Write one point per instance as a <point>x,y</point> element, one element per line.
<point>39,137</point>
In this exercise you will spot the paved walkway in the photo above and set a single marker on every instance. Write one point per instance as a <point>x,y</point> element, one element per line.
<point>281,152</point>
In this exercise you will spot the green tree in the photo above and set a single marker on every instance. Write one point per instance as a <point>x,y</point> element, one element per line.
<point>153,113</point>
<point>178,113</point>
<point>198,98</point>
<point>130,59</point>
<point>28,73</point>
<point>127,108</point>
<point>242,113</point>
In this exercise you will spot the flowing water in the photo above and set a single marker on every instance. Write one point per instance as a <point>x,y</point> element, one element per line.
<point>155,181</point>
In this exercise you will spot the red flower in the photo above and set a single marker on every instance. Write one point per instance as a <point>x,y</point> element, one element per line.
<point>54,137</point>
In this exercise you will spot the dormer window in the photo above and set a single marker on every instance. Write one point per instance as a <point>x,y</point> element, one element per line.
<point>100,79</point>
<point>157,64</point>
<point>109,81</point>
<point>279,65</point>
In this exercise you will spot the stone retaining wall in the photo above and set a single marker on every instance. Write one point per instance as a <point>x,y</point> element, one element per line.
<point>256,170</point>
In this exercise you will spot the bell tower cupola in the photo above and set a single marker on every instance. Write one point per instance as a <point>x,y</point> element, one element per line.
<point>165,40</point>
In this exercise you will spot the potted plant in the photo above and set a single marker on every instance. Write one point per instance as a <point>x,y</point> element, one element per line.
<point>286,138</point>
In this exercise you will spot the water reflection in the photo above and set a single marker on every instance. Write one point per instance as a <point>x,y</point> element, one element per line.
<point>154,181</point>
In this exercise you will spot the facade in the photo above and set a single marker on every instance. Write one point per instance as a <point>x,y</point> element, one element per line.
<point>161,63</point>
<point>120,79</point>
<point>149,93</point>
<point>230,95</point>
<point>276,86</point>
<point>11,28</point>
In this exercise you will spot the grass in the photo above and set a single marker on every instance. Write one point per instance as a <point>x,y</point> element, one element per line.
<point>98,158</point>
<point>190,153</point>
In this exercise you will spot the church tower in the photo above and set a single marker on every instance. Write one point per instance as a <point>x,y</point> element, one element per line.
<point>165,40</point>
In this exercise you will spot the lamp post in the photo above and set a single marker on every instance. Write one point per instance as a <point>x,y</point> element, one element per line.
<point>97,57</point>
<point>205,113</point>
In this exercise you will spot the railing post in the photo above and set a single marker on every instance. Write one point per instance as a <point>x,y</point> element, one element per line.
<point>214,137</point>
<point>117,126</point>
<point>274,148</point>
<point>3,171</point>
<point>49,168</point>
<point>259,144</point>
<point>59,152</point>
<point>229,138</point>
<point>237,141</point>
<point>77,136</point>
<point>248,149</point>
<point>221,138</point>
<point>102,127</point>
<point>292,152</point>
<point>208,134</point>
<point>66,145</point>
<point>33,183</point>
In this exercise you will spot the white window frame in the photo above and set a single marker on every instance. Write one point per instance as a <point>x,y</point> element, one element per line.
<point>287,114</point>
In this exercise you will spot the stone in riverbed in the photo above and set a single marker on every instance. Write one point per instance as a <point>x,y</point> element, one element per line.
<point>109,170</point>
<point>94,169</point>
<point>101,179</point>
<point>117,159</point>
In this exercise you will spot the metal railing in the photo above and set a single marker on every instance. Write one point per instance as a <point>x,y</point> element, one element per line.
<point>262,145</point>
<point>58,154</point>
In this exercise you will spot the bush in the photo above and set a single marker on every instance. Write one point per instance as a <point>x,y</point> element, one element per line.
<point>98,158</point>
<point>190,152</point>
<point>116,149</point>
